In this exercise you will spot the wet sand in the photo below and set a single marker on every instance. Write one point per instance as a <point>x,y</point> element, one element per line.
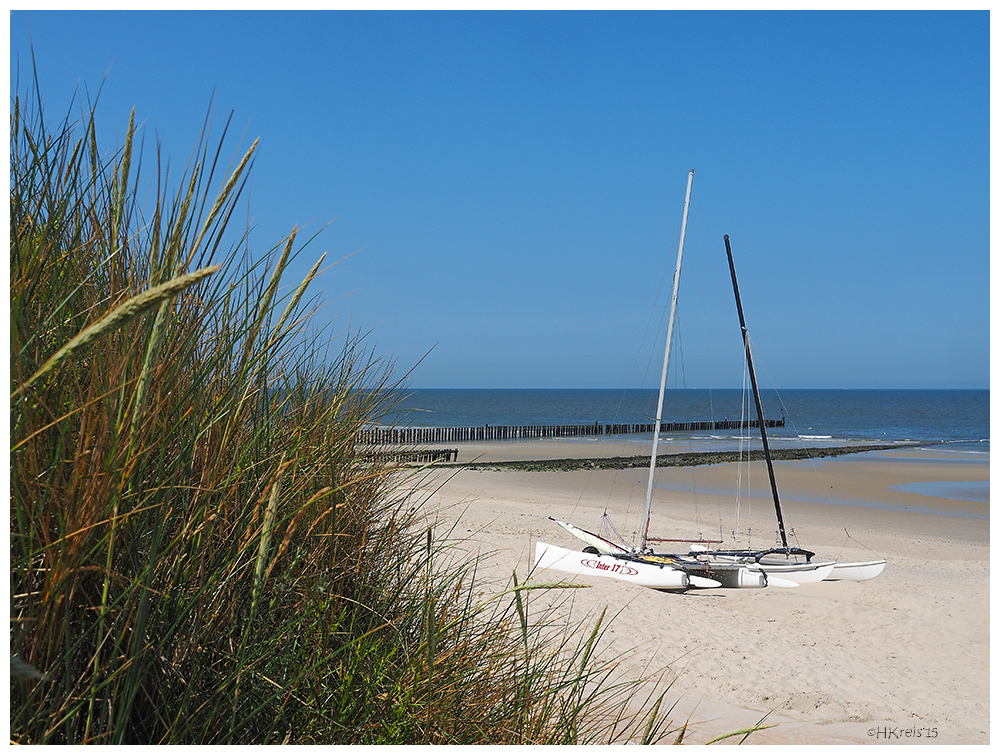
<point>903,658</point>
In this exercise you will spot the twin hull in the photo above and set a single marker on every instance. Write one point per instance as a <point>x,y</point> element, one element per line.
<point>797,572</point>
<point>679,572</point>
<point>812,571</point>
<point>658,576</point>
<point>858,571</point>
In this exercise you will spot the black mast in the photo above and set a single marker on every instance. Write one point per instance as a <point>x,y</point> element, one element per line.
<point>756,398</point>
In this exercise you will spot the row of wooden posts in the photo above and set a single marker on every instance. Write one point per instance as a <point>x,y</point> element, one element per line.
<point>422,456</point>
<point>417,435</point>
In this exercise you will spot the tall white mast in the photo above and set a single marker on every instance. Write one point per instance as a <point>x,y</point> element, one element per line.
<point>666,361</point>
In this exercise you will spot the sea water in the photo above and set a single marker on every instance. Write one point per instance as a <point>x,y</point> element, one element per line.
<point>951,426</point>
<point>953,419</point>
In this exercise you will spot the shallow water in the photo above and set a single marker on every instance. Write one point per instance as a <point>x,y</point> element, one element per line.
<point>967,490</point>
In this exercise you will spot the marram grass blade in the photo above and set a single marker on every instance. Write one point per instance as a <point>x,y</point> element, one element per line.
<point>548,586</point>
<point>220,201</point>
<point>272,287</point>
<point>740,732</point>
<point>118,317</point>
<point>146,376</point>
<point>121,185</point>
<point>295,299</point>
<point>267,530</point>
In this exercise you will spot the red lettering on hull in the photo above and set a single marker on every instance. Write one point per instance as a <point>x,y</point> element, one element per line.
<point>618,567</point>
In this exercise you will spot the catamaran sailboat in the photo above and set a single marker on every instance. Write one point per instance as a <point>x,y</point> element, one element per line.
<point>701,566</point>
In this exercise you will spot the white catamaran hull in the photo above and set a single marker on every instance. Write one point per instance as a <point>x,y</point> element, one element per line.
<point>858,571</point>
<point>598,544</point>
<point>812,571</point>
<point>797,572</point>
<point>577,563</point>
<point>733,575</point>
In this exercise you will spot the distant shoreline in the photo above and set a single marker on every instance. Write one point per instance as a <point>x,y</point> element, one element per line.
<point>689,459</point>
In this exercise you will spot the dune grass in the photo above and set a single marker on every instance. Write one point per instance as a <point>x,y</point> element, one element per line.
<point>200,551</point>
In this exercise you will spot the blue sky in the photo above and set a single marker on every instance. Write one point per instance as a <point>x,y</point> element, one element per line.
<point>512,182</point>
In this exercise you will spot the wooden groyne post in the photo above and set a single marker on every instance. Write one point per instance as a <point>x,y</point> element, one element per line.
<point>419,455</point>
<point>419,435</point>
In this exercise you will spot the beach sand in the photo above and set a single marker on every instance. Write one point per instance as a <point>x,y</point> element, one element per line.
<point>902,659</point>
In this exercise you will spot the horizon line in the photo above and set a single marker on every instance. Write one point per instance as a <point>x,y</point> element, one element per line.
<point>690,388</point>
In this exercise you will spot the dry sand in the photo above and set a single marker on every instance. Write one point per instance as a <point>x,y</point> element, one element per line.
<point>903,655</point>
